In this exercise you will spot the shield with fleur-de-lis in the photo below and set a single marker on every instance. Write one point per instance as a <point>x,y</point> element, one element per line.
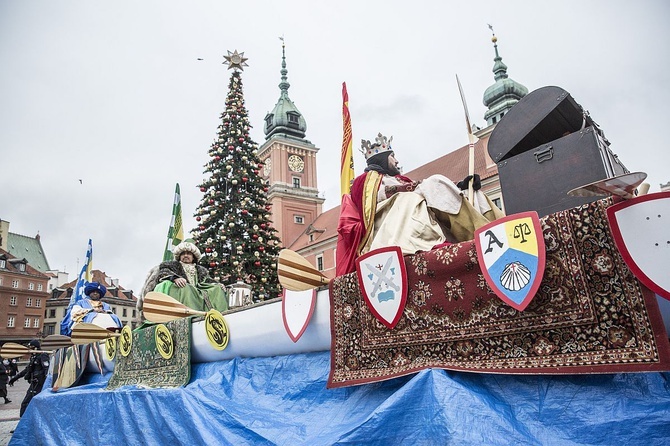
<point>640,230</point>
<point>383,281</point>
<point>511,255</point>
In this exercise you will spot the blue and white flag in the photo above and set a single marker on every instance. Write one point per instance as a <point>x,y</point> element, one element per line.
<point>78,293</point>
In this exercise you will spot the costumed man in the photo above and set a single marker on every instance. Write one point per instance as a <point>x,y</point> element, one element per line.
<point>92,307</point>
<point>35,373</point>
<point>186,281</point>
<point>386,208</point>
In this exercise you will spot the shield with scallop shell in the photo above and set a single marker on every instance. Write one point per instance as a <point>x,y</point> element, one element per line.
<point>511,254</point>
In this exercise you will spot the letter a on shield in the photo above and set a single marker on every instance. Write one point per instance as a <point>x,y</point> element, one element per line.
<point>383,281</point>
<point>511,254</point>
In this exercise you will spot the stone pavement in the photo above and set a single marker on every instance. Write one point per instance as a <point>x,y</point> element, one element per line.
<point>9,413</point>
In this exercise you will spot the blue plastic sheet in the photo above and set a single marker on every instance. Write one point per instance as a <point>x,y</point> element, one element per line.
<point>284,401</point>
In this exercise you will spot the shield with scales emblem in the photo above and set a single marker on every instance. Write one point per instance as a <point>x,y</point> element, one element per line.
<point>640,230</point>
<point>511,254</point>
<point>383,281</point>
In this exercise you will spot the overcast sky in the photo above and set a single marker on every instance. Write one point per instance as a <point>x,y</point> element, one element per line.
<point>112,93</point>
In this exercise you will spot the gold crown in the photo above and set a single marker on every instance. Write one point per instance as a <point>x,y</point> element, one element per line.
<point>381,144</point>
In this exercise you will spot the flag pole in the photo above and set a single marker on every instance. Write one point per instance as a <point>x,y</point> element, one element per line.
<point>176,231</point>
<point>472,139</point>
<point>347,156</point>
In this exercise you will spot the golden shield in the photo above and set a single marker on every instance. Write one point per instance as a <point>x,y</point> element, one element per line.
<point>216,329</point>
<point>125,341</point>
<point>110,348</point>
<point>164,341</point>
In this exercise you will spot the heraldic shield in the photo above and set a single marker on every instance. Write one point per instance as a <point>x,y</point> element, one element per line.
<point>383,281</point>
<point>511,254</point>
<point>640,228</point>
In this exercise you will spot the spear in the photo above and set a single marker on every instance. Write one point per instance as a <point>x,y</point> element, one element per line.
<point>471,146</point>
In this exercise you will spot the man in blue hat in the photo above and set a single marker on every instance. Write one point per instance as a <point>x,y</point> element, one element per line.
<point>91,306</point>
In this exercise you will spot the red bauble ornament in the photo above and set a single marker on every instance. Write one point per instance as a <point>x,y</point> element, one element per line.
<point>208,249</point>
<point>203,189</point>
<point>201,227</point>
<point>261,248</point>
<point>212,264</point>
<point>241,139</point>
<point>244,212</point>
<point>217,157</point>
<point>198,218</point>
<point>268,207</point>
<point>254,236</point>
<point>211,201</point>
<point>257,263</point>
<point>262,225</point>
<point>245,179</point>
<point>265,189</point>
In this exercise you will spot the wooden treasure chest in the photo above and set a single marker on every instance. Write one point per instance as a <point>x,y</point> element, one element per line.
<point>545,146</point>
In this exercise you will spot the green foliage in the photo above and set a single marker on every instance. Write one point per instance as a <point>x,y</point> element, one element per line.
<point>235,232</point>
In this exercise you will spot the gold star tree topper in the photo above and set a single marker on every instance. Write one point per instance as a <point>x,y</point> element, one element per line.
<point>236,60</point>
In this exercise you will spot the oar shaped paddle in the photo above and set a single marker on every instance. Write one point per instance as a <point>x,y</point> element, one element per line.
<point>11,350</point>
<point>296,273</point>
<point>54,342</point>
<point>85,333</point>
<point>160,308</point>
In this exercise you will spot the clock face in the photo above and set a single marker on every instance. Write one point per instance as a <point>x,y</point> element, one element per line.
<point>295,163</point>
<point>268,167</point>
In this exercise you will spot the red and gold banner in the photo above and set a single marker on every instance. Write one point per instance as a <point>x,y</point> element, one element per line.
<point>347,161</point>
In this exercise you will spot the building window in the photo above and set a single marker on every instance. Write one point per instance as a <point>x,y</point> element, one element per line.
<point>134,314</point>
<point>3,263</point>
<point>125,312</point>
<point>29,302</point>
<point>114,310</point>
<point>319,262</point>
<point>12,301</point>
<point>0,281</point>
<point>311,237</point>
<point>15,283</point>
<point>296,182</point>
<point>299,219</point>
<point>38,303</point>
<point>36,322</point>
<point>52,313</point>
<point>50,329</point>
<point>31,286</point>
<point>26,323</point>
<point>293,118</point>
<point>10,322</point>
<point>64,312</point>
<point>39,287</point>
<point>268,120</point>
<point>21,267</point>
<point>497,202</point>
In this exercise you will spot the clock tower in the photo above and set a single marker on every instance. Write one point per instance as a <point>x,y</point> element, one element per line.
<point>289,165</point>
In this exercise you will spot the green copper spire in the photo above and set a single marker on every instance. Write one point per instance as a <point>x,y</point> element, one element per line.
<point>504,93</point>
<point>285,119</point>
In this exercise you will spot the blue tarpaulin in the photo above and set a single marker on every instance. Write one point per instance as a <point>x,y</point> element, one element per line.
<point>284,400</point>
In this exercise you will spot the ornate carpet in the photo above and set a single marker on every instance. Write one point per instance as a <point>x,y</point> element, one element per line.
<point>145,367</point>
<point>590,314</point>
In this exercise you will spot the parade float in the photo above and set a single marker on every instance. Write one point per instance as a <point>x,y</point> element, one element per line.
<point>556,339</point>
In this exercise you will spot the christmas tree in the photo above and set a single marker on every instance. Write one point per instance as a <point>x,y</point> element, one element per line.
<point>234,232</point>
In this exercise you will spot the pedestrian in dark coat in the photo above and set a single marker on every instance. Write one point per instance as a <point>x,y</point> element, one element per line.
<point>4,379</point>
<point>35,373</point>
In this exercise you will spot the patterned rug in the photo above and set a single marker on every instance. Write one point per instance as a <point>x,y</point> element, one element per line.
<point>145,367</point>
<point>590,315</point>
